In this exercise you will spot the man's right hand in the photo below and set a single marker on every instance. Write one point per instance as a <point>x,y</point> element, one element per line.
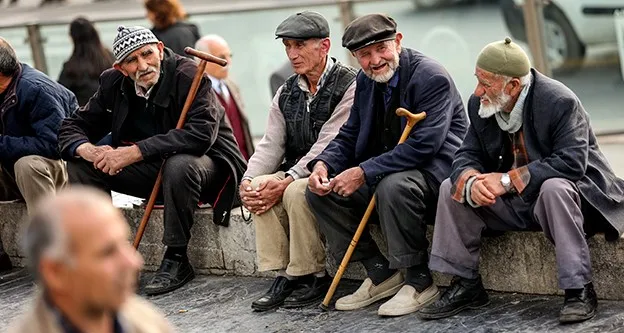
<point>90,152</point>
<point>480,194</point>
<point>318,181</point>
<point>249,196</point>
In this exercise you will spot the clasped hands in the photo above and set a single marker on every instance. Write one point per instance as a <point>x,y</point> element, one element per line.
<point>345,184</point>
<point>486,188</point>
<point>108,159</point>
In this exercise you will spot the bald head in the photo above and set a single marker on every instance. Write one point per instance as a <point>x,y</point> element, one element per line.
<point>217,46</point>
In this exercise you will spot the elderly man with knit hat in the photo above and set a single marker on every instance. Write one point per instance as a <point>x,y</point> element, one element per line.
<point>139,102</point>
<point>365,159</point>
<point>530,161</point>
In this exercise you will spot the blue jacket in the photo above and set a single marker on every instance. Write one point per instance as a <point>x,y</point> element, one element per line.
<point>425,86</point>
<point>31,114</point>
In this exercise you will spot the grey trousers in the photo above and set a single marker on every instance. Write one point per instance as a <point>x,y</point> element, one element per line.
<point>403,199</point>
<point>557,210</point>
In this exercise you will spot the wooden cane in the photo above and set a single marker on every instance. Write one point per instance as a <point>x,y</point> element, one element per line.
<point>205,57</point>
<point>412,119</point>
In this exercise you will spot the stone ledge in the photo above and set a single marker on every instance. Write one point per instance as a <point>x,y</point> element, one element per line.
<point>521,262</point>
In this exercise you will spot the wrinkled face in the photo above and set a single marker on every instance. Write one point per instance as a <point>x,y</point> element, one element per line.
<point>496,92</point>
<point>380,61</point>
<point>102,271</point>
<point>222,51</point>
<point>306,55</point>
<point>143,65</point>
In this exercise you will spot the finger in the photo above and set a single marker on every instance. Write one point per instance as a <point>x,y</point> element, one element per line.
<point>261,186</point>
<point>481,176</point>
<point>486,192</point>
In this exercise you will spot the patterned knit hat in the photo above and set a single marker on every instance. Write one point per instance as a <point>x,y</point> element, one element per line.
<point>130,39</point>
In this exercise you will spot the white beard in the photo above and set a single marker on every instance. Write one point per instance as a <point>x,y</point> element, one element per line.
<point>385,77</point>
<point>486,111</point>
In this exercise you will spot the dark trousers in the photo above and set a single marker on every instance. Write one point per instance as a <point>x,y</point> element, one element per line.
<point>186,179</point>
<point>404,202</point>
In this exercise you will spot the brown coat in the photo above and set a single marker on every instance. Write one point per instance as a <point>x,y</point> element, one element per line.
<point>236,96</point>
<point>136,316</point>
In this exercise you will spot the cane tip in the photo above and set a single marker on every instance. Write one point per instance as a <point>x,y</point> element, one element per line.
<point>324,307</point>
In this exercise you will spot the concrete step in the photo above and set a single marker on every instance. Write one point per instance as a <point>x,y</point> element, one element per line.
<point>521,262</point>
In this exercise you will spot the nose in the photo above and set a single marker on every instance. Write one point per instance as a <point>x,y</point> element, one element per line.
<point>375,59</point>
<point>142,64</point>
<point>292,54</point>
<point>132,258</point>
<point>479,90</point>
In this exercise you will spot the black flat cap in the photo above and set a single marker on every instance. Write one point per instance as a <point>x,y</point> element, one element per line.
<point>368,29</point>
<point>304,25</point>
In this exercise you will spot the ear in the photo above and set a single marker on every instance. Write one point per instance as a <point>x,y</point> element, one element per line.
<point>161,48</point>
<point>326,45</point>
<point>118,67</point>
<point>514,87</point>
<point>397,41</point>
<point>52,273</point>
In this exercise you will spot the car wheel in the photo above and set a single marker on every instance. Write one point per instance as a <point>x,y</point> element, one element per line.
<point>564,51</point>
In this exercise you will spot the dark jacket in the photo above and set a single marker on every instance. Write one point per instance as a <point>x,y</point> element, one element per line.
<point>560,144</point>
<point>425,86</point>
<point>31,114</point>
<point>205,130</point>
<point>178,36</point>
<point>83,86</point>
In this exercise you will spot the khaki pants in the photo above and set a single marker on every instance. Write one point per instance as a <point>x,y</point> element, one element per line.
<point>287,235</point>
<point>35,177</point>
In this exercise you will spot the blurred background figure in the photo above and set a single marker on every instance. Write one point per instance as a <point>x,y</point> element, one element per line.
<point>280,75</point>
<point>90,58</point>
<point>227,91</point>
<point>78,250</point>
<point>169,25</point>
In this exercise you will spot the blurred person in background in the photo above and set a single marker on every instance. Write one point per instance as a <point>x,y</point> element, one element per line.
<point>227,91</point>
<point>81,72</point>
<point>167,17</point>
<point>78,251</point>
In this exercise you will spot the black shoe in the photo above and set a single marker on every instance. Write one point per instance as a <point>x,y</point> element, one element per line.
<point>460,295</point>
<point>171,275</point>
<point>309,291</point>
<point>5,262</point>
<point>579,305</point>
<point>280,289</point>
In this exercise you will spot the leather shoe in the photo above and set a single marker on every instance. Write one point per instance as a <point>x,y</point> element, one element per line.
<point>311,289</point>
<point>579,305</point>
<point>280,289</point>
<point>5,262</point>
<point>171,275</point>
<point>462,294</point>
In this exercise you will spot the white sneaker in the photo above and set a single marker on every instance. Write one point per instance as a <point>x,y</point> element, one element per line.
<point>368,293</point>
<point>408,300</point>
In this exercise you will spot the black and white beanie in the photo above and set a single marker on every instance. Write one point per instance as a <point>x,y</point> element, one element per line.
<point>130,39</point>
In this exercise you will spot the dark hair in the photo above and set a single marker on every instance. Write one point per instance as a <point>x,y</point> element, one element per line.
<point>166,12</point>
<point>8,60</point>
<point>89,58</point>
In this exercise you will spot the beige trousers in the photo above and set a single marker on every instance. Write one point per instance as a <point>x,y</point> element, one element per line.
<point>35,177</point>
<point>287,235</point>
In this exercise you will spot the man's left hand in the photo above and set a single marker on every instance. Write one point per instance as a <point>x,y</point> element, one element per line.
<point>348,181</point>
<point>113,161</point>
<point>493,183</point>
<point>270,192</point>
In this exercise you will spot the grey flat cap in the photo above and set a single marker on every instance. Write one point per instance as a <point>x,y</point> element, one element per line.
<point>368,29</point>
<point>304,25</point>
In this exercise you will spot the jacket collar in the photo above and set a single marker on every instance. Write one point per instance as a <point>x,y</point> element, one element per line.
<point>11,92</point>
<point>162,92</point>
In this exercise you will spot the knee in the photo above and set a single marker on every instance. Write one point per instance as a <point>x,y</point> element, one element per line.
<point>558,188</point>
<point>295,193</point>
<point>398,185</point>
<point>31,166</point>
<point>260,179</point>
<point>181,168</point>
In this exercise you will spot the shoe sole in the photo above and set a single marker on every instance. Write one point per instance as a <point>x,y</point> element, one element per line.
<point>471,306</point>
<point>570,319</point>
<point>295,305</point>
<point>359,305</point>
<point>408,310</point>
<point>263,308</point>
<point>170,288</point>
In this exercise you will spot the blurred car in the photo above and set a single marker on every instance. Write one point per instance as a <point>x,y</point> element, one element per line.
<point>570,26</point>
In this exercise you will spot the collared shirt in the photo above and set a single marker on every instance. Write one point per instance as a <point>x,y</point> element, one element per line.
<point>387,93</point>
<point>219,87</point>
<point>68,327</point>
<point>303,82</point>
<point>141,92</point>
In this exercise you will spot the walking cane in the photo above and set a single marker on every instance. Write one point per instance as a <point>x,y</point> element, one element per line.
<point>205,57</point>
<point>412,119</point>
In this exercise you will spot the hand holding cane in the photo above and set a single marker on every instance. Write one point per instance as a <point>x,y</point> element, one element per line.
<point>205,57</point>
<point>412,119</point>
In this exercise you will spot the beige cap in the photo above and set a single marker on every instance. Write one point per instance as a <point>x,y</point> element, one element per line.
<point>504,58</point>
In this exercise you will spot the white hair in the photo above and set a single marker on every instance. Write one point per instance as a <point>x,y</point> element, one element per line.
<point>203,44</point>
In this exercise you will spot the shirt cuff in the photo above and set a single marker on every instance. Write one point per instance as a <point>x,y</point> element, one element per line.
<point>246,178</point>
<point>458,190</point>
<point>520,178</point>
<point>469,183</point>
<point>293,174</point>
<point>72,148</point>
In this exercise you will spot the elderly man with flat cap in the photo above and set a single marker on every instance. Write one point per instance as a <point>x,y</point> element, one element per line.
<point>529,161</point>
<point>139,102</point>
<point>305,115</point>
<point>364,159</point>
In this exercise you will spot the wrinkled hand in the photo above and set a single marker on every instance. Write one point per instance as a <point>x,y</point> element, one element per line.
<point>318,183</point>
<point>262,198</point>
<point>248,196</point>
<point>91,152</point>
<point>486,188</point>
<point>348,181</point>
<point>113,161</point>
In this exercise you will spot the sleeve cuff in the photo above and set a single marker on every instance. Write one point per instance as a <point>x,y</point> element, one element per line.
<point>520,178</point>
<point>458,190</point>
<point>293,174</point>
<point>72,149</point>
<point>467,194</point>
